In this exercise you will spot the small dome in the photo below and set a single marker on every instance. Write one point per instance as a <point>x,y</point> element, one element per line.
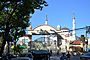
<point>58,27</point>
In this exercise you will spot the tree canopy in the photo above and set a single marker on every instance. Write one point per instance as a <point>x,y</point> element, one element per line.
<point>16,13</point>
<point>14,16</point>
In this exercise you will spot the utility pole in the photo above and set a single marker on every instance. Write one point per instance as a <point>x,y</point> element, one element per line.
<point>86,42</point>
<point>86,39</point>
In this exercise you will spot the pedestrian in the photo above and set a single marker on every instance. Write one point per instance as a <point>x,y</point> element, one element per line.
<point>63,57</point>
<point>68,56</point>
<point>50,52</point>
<point>57,52</point>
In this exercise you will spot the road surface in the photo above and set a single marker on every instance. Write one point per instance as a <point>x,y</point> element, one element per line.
<point>58,58</point>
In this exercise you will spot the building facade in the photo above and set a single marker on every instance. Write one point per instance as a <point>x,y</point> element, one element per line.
<point>54,37</point>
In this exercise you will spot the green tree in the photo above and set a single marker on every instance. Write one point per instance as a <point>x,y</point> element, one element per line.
<point>82,38</point>
<point>14,17</point>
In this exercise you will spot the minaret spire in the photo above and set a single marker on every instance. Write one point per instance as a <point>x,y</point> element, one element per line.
<point>74,27</point>
<point>46,21</point>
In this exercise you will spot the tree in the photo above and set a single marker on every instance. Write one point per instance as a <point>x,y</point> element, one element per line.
<point>82,38</point>
<point>1,40</point>
<point>14,17</point>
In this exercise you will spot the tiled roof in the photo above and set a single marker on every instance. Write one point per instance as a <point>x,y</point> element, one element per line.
<point>76,42</point>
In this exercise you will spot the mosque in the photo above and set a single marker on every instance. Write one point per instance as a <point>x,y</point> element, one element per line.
<point>57,38</point>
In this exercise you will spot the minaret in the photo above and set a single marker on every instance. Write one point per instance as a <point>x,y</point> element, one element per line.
<point>46,21</point>
<point>46,36</point>
<point>73,28</point>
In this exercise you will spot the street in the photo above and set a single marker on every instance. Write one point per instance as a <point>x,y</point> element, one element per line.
<point>75,58</point>
<point>58,58</point>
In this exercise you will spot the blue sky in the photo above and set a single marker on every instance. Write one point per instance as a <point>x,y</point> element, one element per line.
<point>60,12</point>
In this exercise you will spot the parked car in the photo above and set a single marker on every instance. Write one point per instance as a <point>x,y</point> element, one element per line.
<point>85,56</point>
<point>27,55</point>
<point>40,54</point>
<point>7,56</point>
<point>21,58</point>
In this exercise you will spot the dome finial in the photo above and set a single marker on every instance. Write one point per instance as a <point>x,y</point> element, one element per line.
<point>46,20</point>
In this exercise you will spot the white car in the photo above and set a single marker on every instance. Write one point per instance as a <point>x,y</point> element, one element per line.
<point>21,58</point>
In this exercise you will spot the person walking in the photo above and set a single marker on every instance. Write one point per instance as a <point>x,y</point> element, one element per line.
<point>68,56</point>
<point>50,52</point>
<point>63,57</point>
<point>58,53</point>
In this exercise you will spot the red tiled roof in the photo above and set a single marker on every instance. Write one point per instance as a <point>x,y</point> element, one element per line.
<point>76,42</point>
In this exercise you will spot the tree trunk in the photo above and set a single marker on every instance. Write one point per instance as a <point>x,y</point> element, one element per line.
<point>5,37</point>
<point>2,47</point>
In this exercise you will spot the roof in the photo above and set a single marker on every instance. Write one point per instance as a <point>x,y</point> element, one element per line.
<point>76,42</point>
<point>65,28</point>
<point>44,25</point>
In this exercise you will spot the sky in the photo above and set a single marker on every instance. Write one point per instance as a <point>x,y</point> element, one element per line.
<point>60,12</point>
